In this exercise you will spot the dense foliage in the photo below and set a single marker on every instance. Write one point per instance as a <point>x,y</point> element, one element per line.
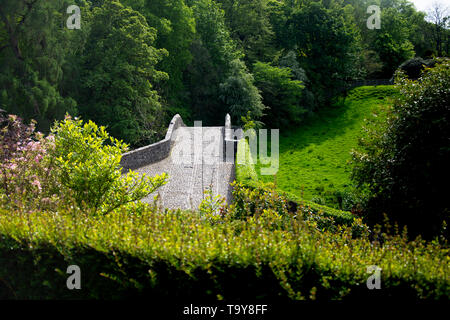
<point>175,26</point>
<point>318,150</point>
<point>78,165</point>
<point>117,70</point>
<point>218,80</point>
<point>403,161</point>
<point>136,63</point>
<point>35,57</point>
<point>327,43</point>
<point>161,256</point>
<point>281,94</point>
<point>133,64</point>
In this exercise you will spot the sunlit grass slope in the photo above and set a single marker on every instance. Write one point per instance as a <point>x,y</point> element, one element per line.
<point>314,158</point>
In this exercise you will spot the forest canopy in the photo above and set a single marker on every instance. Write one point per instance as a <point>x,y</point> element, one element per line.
<point>133,64</point>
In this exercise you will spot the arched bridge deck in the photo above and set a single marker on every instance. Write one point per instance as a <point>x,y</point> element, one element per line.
<point>194,159</point>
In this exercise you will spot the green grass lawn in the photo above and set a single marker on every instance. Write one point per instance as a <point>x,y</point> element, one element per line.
<point>314,158</point>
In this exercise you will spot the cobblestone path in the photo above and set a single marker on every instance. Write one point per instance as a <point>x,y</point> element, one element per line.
<point>196,163</point>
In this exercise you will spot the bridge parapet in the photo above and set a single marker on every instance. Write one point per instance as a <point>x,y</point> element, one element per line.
<point>231,139</point>
<point>154,152</point>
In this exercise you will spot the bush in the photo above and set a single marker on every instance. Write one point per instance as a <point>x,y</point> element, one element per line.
<point>88,162</point>
<point>13,133</point>
<point>252,199</point>
<point>27,178</point>
<point>212,207</point>
<point>414,67</point>
<point>403,162</point>
<point>78,164</point>
<point>168,256</point>
<point>327,218</point>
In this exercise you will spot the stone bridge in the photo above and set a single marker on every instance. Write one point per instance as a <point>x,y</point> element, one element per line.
<point>195,158</point>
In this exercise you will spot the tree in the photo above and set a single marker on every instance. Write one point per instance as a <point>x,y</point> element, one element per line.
<point>403,30</point>
<point>212,50</point>
<point>392,41</point>
<point>175,25</point>
<point>278,14</point>
<point>118,75</point>
<point>202,80</point>
<point>281,95</point>
<point>239,93</point>
<point>439,16</point>
<point>403,161</point>
<point>213,33</point>
<point>290,61</point>
<point>327,44</point>
<point>248,21</point>
<point>217,70</point>
<point>34,51</point>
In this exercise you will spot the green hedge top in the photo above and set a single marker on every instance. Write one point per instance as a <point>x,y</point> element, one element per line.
<point>300,263</point>
<point>245,166</point>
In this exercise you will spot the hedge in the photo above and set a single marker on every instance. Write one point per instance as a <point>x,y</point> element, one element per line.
<point>162,255</point>
<point>340,216</point>
<point>245,166</point>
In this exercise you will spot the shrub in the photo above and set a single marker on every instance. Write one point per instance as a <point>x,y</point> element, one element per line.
<point>249,202</point>
<point>403,162</point>
<point>255,198</point>
<point>168,256</point>
<point>13,133</point>
<point>27,178</point>
<point>78,164</point>
<point>212,207</point>
<point>414,67</point>
<point>88,162</point>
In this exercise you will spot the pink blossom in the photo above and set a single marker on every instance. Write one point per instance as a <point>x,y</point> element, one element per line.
<point>33,145</point>
<point>38,158</point>
<point>37,184</point>
<point>51,138</point>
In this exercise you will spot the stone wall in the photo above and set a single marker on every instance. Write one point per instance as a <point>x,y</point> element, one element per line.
<point>231,140</point>
<point>154,152</point>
